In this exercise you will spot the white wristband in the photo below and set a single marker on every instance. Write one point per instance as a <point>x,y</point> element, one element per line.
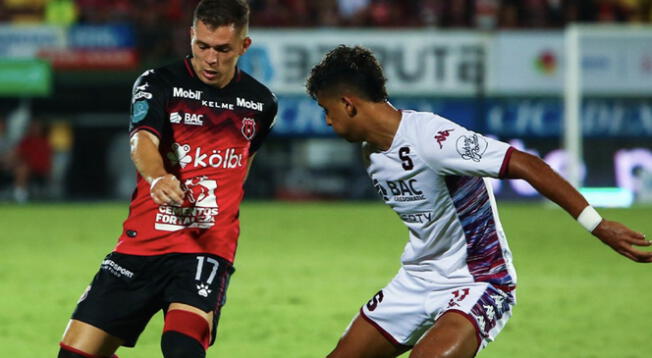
<point>156,180</point>
<point>589,218</point>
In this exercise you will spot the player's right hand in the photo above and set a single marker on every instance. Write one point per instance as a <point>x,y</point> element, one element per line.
<point>166,190</point>
<point>622,239</point>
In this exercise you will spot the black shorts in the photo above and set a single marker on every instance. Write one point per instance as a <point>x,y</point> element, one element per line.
<point>128,290</point>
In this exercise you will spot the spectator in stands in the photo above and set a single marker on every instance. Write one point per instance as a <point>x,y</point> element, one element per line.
<point>33,161</point>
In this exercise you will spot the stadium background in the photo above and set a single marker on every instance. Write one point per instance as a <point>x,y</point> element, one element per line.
<point>496,66</point>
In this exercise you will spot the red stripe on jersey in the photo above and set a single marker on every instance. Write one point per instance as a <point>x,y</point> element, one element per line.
<point>147,128</point>
<point>503,167</point>
<point>189,67</point>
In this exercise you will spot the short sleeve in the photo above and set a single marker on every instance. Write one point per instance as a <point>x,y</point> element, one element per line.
<point>450,149</point>
<point>267,122</point>
<point>148,99</point>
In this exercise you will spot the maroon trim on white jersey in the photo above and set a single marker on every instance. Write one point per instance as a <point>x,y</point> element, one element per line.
<point>505,165</point>
<point>385,334</point>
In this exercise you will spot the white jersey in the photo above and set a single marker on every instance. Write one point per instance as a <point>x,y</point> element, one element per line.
<point>431,176</point>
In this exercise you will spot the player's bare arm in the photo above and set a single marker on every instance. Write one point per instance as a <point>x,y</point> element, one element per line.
<point>165,187</point>
<point>551,185</point>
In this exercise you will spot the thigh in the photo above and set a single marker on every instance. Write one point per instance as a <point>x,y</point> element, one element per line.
<point>476,305</point>
<point>198,284</point>
<point>364,339</point>
<point>90,340</point>
<point>452,336</point>
<point>122,297</point>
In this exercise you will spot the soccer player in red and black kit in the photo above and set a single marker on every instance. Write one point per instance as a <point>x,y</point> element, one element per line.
<point>195,126</point>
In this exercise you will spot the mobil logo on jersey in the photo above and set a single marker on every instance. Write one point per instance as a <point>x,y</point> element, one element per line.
<point>248,104</point>
<point>185,156</point>
<point>186,93</point>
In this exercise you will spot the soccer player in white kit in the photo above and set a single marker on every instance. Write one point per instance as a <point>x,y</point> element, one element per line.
<point>456,287</point>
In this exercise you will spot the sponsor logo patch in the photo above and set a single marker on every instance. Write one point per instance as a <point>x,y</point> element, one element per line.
<point>184,93</point>
<point>471,147</point>
<point>139,111</point>
<point>441,137</point>
<point>183,155</point>
<point>256,106</point>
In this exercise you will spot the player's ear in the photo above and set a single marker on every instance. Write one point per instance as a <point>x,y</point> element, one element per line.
<point>246,42</point>
<point>192,34</point>
<point>349,106</point>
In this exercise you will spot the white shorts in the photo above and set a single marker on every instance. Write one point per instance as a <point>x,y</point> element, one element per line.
<point>408,306</point>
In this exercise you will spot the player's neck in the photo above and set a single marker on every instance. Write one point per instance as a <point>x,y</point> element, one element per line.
<point>384,121</point>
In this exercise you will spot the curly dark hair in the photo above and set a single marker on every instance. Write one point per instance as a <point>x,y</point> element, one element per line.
<point>348,68</point>
<point>216,13</point>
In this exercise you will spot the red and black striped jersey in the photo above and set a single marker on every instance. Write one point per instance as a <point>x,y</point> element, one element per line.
<point>207,137</point>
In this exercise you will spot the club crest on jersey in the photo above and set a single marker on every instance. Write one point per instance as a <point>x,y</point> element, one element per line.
<point>248,127</point>
<point>471,147</point>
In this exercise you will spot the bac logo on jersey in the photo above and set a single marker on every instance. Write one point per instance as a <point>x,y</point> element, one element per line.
<point>248,127</point>
<point>256,106</point>
<point>184,93</point>
<point>471,147</point>
<point>188,118</point>
<point>402,190</point>
<point>183,156</point>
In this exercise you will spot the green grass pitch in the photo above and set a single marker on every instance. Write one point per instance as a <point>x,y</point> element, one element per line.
<point>303,270</point>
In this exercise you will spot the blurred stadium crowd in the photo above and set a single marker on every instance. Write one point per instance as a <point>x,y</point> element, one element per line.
<point>161,25</point>
<point>161,33</point>
<point>480,14</point>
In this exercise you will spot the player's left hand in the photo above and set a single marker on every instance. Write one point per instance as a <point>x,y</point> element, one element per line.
<point>622,239</point>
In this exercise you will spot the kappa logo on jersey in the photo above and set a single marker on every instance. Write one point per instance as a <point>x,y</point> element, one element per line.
<point>256,106</point>
<point>248,127</point>
<point>441,137</point>
<point>182,155</point>
<point>184,93</point>
<point>471,147</point>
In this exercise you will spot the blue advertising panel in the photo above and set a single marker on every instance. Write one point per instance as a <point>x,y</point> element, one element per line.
<point>101,36</point>
<point>501,117</point>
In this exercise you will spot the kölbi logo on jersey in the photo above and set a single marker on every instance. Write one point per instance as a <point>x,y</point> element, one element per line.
<point>183,155</point>
<point>184,93</point>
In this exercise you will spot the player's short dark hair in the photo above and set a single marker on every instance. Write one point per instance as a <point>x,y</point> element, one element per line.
<point>216,13</point>
<point>348,68</point>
